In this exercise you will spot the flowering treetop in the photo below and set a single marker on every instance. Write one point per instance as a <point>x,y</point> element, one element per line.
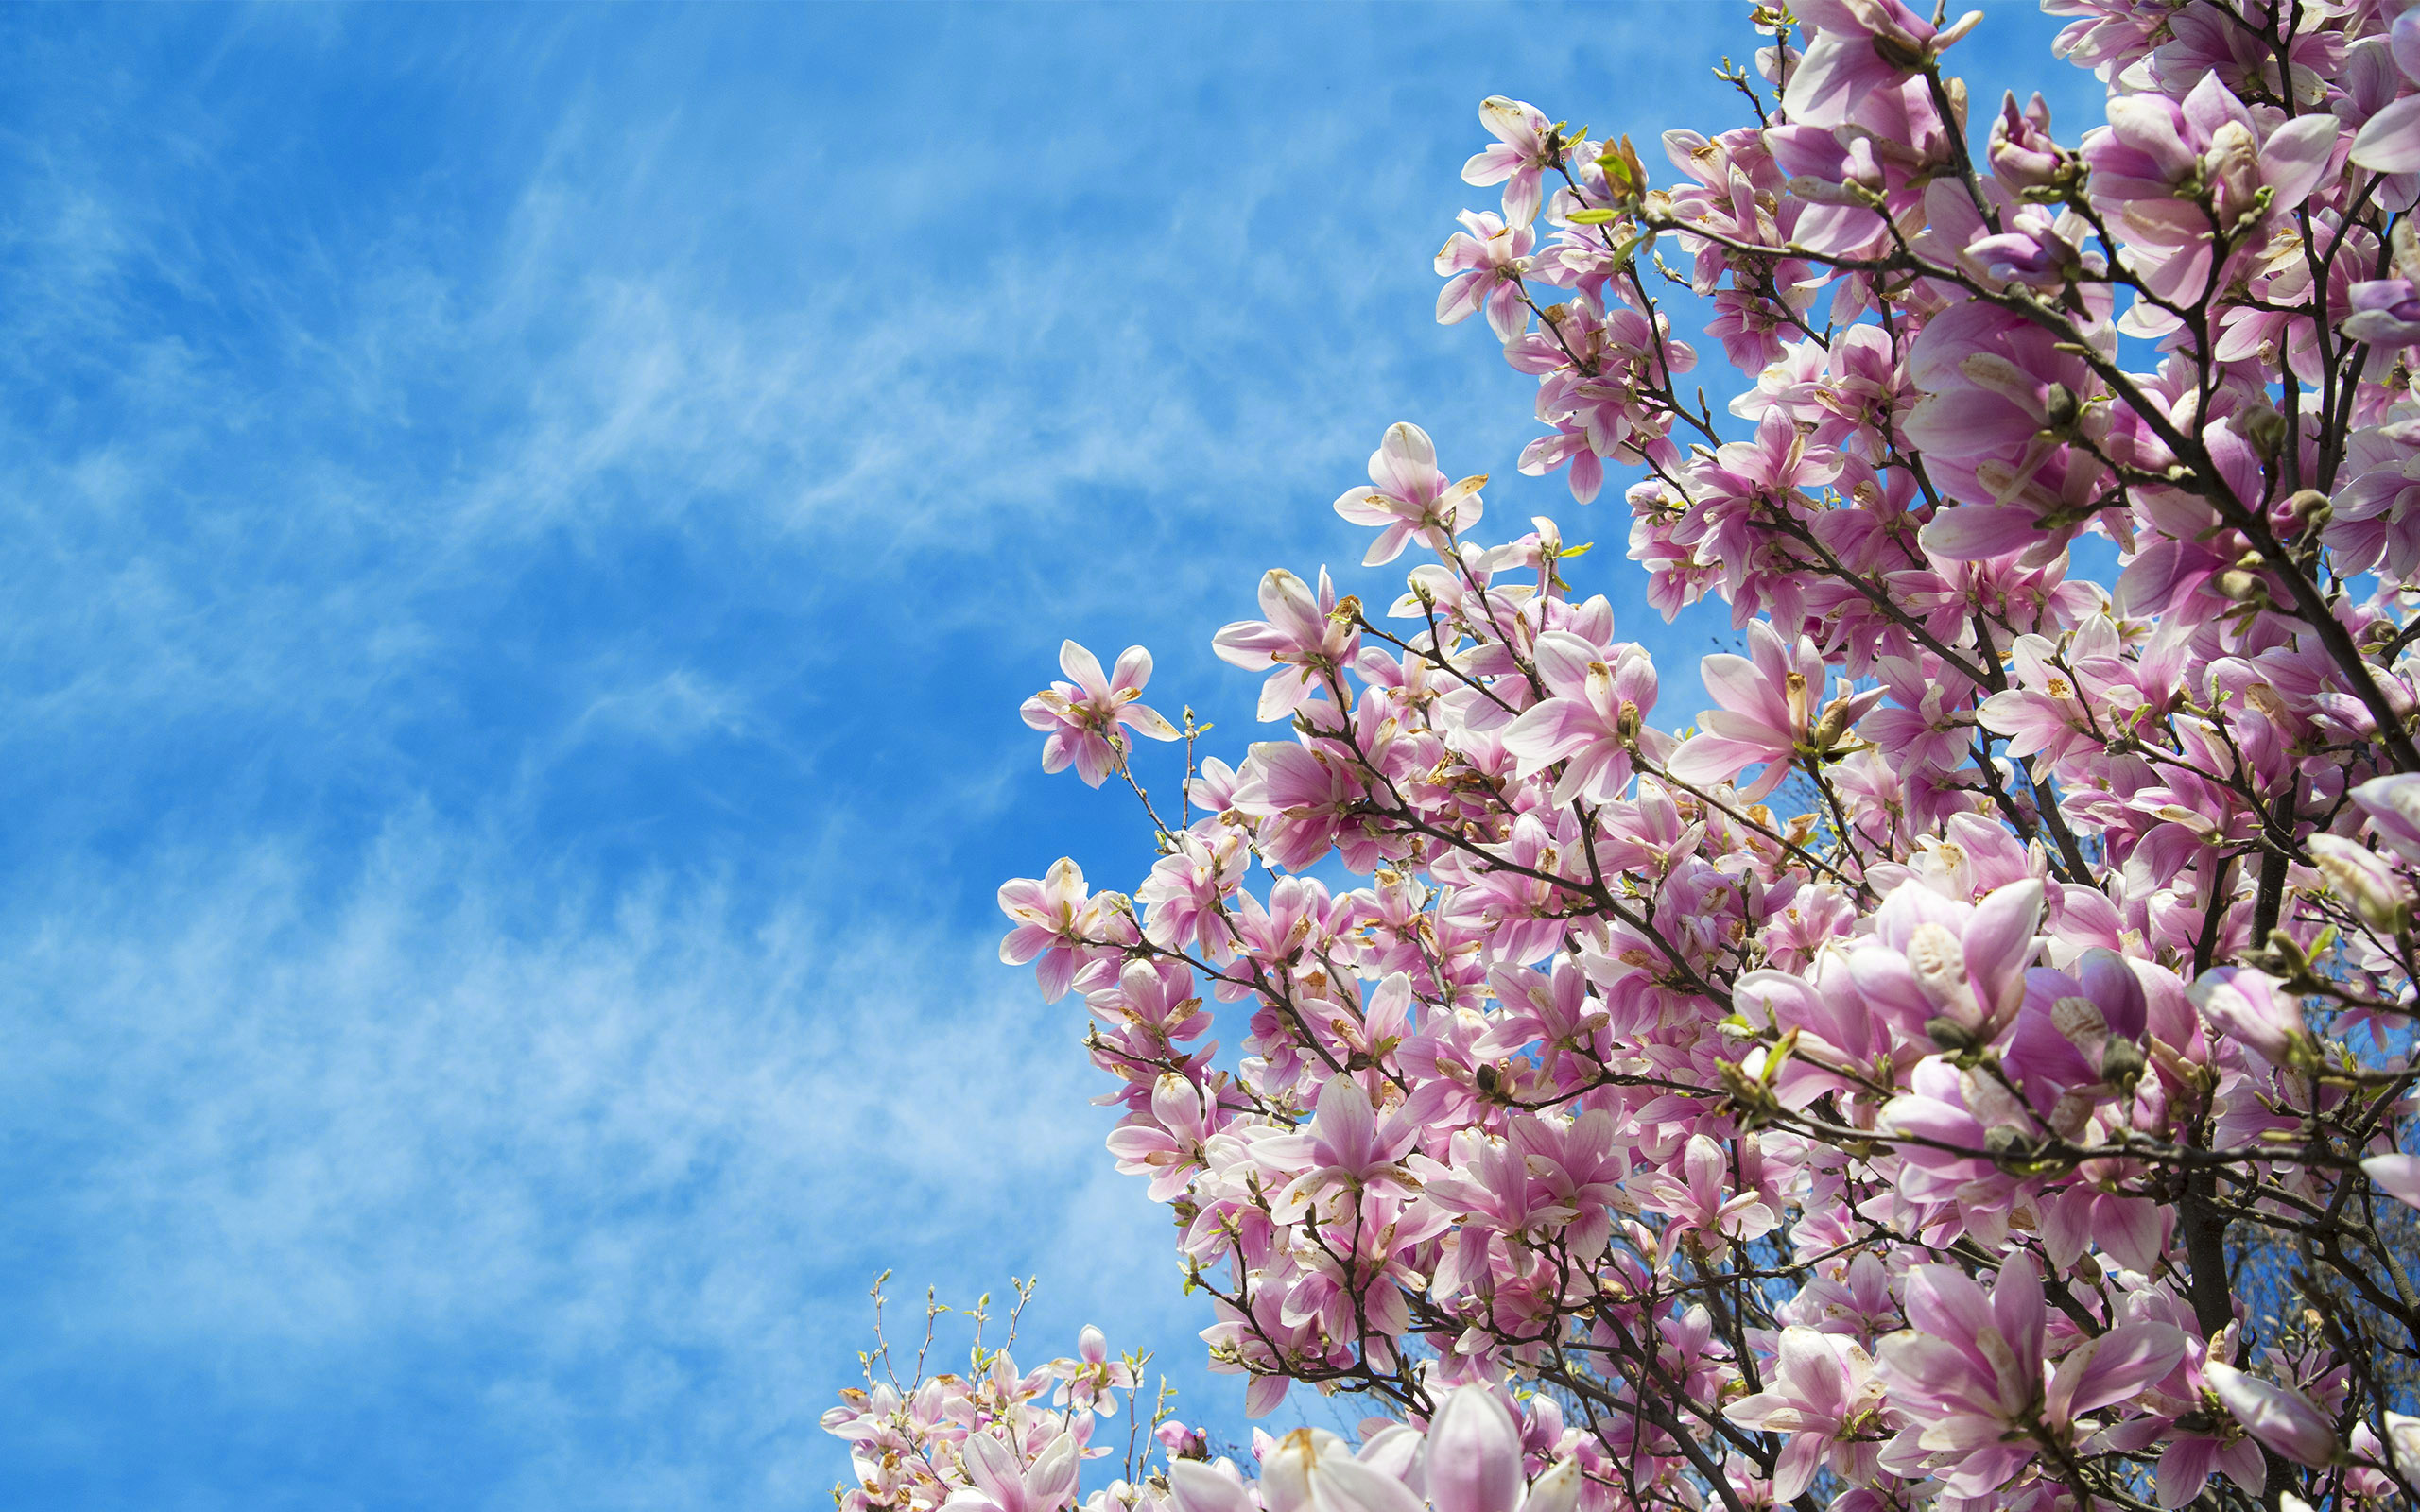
<point>1970,1066</point>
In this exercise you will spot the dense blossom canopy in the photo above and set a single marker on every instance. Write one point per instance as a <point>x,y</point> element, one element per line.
<point>1968,1066</point>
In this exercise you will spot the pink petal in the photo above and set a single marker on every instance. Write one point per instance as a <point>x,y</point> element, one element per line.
<point>2397,1175</point>
<point>1133,669</point>
<point>2294,156</point>
<point>2282,1420</point>
<point>1083,668</point>
<point>1474,1455</point>
<point>1197,1487</point>
<point>2391,141</point>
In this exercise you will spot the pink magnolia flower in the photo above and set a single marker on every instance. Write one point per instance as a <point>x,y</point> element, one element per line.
<point>1961,968</point>
<point>1819,1391</point>
<point>2045,713</point>
<point>1858,47</point>
<point>1183,895</point>
<point>1593,719</point>
<point>2002,402</point>
<point>1698,1201</point>
<point>1972,1370</point>
<point>1410,497</point>
<point>1301,794</point>
<point>1003,1485</point>
<point>2153,145</point>
<point>2023,155</point>
<point>1058,920</point>
<point>2376,508</point>
<point>1168,1145</point>
<point>1312,1471</point>
<point>1519,157</point>
<point>1769,714</point>
<point>2039,249</point>
<point>1927,725</point>
<point>2281,1417</point>
<point>1347,1146</point>
<point>1092,1381</point>
<point>1083,717</point>
<point>1304,640</point>
<point>2253,1008</point>
<point>1483,265</point>
<point>1181,1442</point>
<point>1197,1487</point>
<point>2403,1442</point>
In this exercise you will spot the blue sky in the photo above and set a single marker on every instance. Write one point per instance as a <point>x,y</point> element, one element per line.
<point>525,531</point>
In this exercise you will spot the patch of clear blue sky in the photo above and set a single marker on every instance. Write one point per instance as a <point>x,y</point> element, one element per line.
<point>524,533</point>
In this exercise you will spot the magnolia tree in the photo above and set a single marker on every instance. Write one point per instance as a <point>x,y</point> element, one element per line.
<point>1968,1068</point>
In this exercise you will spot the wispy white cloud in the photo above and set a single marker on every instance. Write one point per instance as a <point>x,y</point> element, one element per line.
<point>646,1150</point>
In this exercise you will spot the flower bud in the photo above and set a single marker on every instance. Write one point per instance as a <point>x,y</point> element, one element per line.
<point>2264,428</point>
<point>2121,1063</point>
<point>2060,406</point>
<point>2023,156</point>
<point>1899,54</point>
<point>2249,1006</point>
<point>2362,879</point>
<point>2231,168</point>
<point>1948,1034</point>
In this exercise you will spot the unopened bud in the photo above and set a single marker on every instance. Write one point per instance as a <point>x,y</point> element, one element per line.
<point>1948,1034</point>
<point>2265,429</point>
<point>2257,1010</point>
<point>2022,153</point>
<point>2121,1063</point>
<point>1898,54</point>
<point>2232,167</point>
<point>2287,955</point>
<point>2364,881</point>
<point>2312,509</point>
<point>2060,406</point>
<point>2241,586</point>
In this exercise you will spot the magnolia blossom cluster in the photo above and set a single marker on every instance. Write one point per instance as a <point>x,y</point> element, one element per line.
<point>1970,1065</point>
<point>994,1437</point>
